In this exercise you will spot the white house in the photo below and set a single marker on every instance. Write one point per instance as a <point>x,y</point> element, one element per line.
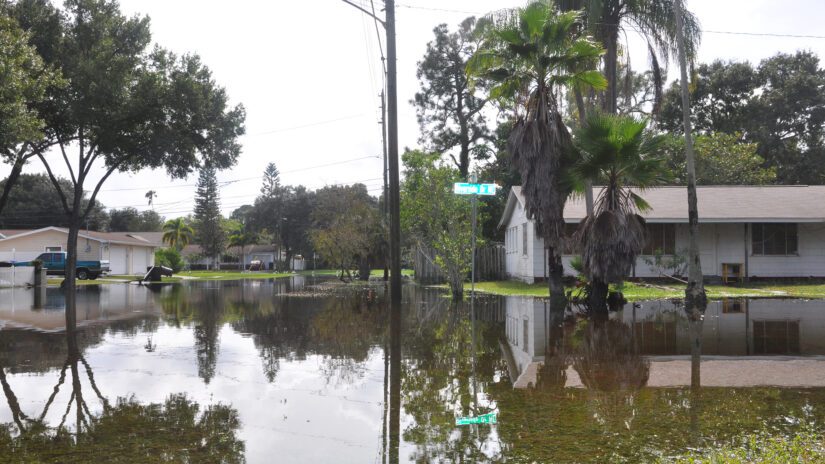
<point>764,231</point>
<point>127,253</point>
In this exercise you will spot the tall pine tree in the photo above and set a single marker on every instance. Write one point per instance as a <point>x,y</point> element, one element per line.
<point>209,231</point>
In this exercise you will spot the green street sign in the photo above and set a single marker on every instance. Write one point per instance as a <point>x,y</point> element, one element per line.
<point>463,188</point>
<point>489,418</point>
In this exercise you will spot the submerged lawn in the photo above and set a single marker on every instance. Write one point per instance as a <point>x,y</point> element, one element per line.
<point>641,291</point>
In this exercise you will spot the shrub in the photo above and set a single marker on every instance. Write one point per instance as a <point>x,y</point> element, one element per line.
<point>171,258</point>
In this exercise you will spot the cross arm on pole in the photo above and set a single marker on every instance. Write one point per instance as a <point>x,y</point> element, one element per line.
<point>366,12</point>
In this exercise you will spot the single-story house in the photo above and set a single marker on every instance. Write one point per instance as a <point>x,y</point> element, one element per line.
<point>753,231</point>
<point>127,253</point>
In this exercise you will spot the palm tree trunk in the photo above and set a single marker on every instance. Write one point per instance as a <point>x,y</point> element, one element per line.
<point>610,63</point>
<point>555,281</point>
<point>588,184</point>
<point>695,297</point>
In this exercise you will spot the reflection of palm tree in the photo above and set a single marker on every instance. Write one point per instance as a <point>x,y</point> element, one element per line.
<point>606,359</point>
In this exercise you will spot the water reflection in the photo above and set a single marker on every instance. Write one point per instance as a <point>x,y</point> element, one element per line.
<point>91,427</point>
<point>310,371</point>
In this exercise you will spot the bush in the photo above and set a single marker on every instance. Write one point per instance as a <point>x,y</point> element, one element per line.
<point>171,258</point>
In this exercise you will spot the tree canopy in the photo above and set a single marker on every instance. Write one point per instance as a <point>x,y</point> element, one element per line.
<point>779,105</point>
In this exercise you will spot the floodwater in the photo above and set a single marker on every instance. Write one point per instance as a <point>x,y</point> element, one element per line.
<point>303,370</point>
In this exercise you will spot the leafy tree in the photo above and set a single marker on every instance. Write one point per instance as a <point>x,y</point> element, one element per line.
<point>345,220</point>
<point>617,152</point>
<point>529,53</point>
<point>123,107</point>
<point>435,217</point>
<point>33,203</point>
<point>779,106</point>
<point>210,233</point>
<point>449,114</point>
<point>295,236</point>
<point>243,214</point>
<point>654,20</point>
<point>721,159</point>
<point>24,79</point>
<point>177,233</point>
<point>131,220</point>
<point>171,258</point>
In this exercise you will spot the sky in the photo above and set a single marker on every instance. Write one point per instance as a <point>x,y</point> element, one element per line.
<point>309,74</point>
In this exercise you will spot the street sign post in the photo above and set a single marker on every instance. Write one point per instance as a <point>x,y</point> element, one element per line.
<point>466,188</point>
<point>489,418</point>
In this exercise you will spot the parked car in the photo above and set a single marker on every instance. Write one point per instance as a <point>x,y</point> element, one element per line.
<point>55,264</point>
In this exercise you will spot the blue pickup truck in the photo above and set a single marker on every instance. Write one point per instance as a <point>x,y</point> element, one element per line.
<point>55,264</point>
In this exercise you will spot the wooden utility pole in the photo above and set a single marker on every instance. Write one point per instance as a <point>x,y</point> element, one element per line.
<point>386,207</point>
<point>392,149</point>
<point>695,297</point>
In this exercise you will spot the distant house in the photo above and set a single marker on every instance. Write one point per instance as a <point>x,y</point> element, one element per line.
<point>127,253</point>
<point>758,231</point>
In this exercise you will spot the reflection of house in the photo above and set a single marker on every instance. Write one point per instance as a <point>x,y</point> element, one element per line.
<point>25,308</point>
<point>768,231</point>
<point>127,253</point>
<point>759,327</point>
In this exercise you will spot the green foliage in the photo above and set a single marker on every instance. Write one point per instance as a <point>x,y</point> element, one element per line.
<point>449,114</point>
<point>434,217</point>
<point>346,226</point>
<point>765,447</point>
<point>171,258</point>
<point>208,222</point>
<point>778,105</point>
<point>177,233</point>
<point>619,153</point>
<point>668,265</point>
<point>721,159</point>
<point>24,79</point>
<point>131,220</point>
<point>33,203</point>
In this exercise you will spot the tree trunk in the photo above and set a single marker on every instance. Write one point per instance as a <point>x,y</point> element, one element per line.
<point>457,286</point>
<point>364,269</point>
<point>597,300</point>
<point>588,184</point>
<point>695,297</point>
<point>16,170</point>
<point>555,280</point>
<point>610,63</point>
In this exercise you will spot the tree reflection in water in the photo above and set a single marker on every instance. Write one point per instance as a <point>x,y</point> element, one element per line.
<point>176,430</point>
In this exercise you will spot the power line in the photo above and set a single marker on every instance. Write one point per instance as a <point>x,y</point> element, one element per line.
<point>311,124</point>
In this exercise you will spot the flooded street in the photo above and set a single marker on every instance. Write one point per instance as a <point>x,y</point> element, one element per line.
<point>299,370</point>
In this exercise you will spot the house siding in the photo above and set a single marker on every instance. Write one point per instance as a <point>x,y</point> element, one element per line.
<point>30,246</point>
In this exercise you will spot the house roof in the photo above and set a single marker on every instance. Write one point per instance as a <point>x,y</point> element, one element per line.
<point>120,238</point>
<point>717,204</point>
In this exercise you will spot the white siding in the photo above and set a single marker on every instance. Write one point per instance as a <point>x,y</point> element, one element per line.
<point>810,261</point>
<point>520,265</point>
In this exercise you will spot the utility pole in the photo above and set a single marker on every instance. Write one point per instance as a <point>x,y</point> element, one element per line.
<point>392,139</point>
<point>386,210</point>
<point>392,150</point>
<point>695,297</point>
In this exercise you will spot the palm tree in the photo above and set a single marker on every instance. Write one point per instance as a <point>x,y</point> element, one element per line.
<point>654,20</point>
<point>177,233</point>
<point>618,152</point>
<point>528,54</point>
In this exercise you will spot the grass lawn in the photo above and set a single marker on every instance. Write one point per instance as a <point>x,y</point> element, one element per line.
<point>641,292</point>
<point>183,276</point>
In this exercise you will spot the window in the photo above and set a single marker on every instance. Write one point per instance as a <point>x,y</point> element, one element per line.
<point>774,239</point>
<point>524,239</point>
<point>776,337</point>
<point>661,238</point>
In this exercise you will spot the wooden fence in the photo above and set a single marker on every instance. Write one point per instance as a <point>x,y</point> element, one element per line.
<point>490,265</point>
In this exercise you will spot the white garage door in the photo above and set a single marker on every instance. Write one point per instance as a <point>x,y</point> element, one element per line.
<point>139,260</point>
<point>117,260</point>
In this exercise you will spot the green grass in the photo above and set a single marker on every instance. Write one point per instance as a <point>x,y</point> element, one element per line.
<point>807,446</point>
<point>641,292</point>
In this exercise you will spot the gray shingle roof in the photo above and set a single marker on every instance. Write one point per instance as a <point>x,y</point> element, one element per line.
<point>773,203</point>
